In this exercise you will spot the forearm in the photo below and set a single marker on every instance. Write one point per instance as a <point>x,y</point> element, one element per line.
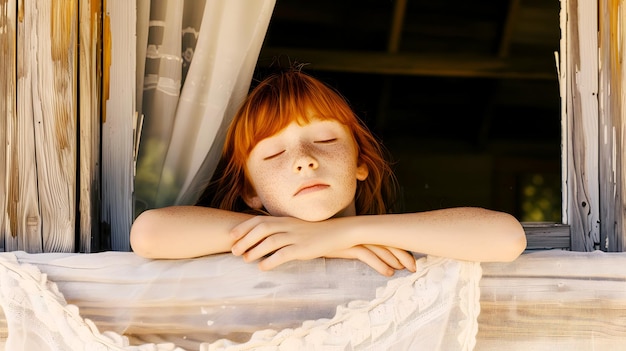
<point>183,232</point>
<point>472,234</point>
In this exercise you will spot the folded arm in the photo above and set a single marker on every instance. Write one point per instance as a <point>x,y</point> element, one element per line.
<point>467,233</point>
<point>184,232</point>
<point>192,231</point>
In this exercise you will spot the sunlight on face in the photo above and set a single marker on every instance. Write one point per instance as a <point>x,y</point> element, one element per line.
<point>308,172</point>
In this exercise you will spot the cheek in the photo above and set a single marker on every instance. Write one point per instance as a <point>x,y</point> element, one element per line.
<point>266,180</point>
<point>344,167</point>
<point>345,160</point>
<point>260,180</point>
<point>261,172</point>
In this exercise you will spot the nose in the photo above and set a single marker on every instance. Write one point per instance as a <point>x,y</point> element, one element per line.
<point>303,162</point>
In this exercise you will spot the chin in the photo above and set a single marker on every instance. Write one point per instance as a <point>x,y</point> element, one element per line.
<point>321,214</point>
<point>313,217</point>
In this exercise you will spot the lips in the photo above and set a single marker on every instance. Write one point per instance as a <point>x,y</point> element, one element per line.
<point>311,187</point>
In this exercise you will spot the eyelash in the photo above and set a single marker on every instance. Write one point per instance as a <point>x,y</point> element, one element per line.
<point>273,156</point>
<point>325,141</point>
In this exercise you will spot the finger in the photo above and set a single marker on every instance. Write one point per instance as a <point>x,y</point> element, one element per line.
<point>386,256</point>
<point>243,228</point>
<point>368,257</point>
<point>406,258</point>
<point>268,245</point>
<point>254,233</point>
<point>275,259</point>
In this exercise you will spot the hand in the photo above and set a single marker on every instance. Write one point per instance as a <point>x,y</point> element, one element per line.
<point>284,239</point>
<point>383,259</point>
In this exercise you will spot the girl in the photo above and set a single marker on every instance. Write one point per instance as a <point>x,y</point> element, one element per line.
<point>302,178</point>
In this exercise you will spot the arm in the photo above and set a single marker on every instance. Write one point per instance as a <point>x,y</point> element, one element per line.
<point>466,233</point>
<point>192,231</point>
<point>184,231</point>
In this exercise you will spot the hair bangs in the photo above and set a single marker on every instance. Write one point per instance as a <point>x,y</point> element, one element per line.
<point>284,99</point>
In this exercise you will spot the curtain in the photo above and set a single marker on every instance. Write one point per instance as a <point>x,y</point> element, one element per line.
<point>119,301</point>
<point>197,60</point>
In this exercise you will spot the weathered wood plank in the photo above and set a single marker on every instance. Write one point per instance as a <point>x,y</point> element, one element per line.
<point>621,177</point>
<point>612,119</point>
<point>118,98</point>
<point>8,91</point>
<point>415,64</point>
<point>573,325</point>
<point>557,300</point>
<point>53,69</point>
<point>541,236</point>
<point>561,58</point>
<point>23,199</point>
<point>580,65</point>
<point>89,67</point>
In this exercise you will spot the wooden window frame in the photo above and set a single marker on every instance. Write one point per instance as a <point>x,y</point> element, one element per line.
<point>593,106</point>
<point>592,92</point>
<point>592,88</point>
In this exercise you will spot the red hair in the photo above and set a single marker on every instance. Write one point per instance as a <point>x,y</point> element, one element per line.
<point>271,106</point>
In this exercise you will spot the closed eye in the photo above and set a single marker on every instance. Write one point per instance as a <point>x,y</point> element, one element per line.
<point>326,141</point>
<point>274,155</point>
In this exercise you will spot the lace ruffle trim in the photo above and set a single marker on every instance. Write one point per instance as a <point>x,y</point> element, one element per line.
<point>417,299</point>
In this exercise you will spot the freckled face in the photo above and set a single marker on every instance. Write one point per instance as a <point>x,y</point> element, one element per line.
<point>308,172</point>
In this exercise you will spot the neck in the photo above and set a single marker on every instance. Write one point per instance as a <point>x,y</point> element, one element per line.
<point>350,210</point>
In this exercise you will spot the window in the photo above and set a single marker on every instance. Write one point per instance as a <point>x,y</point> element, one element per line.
<point>466,96</point>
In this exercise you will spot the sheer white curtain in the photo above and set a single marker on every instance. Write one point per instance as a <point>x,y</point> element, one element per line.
<point>199,59</point>
<point>119,301</point>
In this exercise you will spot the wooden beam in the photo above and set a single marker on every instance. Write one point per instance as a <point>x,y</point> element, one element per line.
<point>416,64</point>
<point>54,108</point>
<point>118,99</point>
<point>89,66</point>
<point>542,236</point>
<point>8,99</point>
<point>397,23</point>
<point>553,300</point>
<point>25,220</point>
<point>507,28</point>
<point>612,119</point>
<point>42,129</point>
<point>579,69</point>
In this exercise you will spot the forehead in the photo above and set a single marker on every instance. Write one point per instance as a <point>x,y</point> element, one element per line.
<point>301,116</point>
<point>314,127</point>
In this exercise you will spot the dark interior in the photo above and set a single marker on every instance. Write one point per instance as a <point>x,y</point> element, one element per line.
<point>464,94</point>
